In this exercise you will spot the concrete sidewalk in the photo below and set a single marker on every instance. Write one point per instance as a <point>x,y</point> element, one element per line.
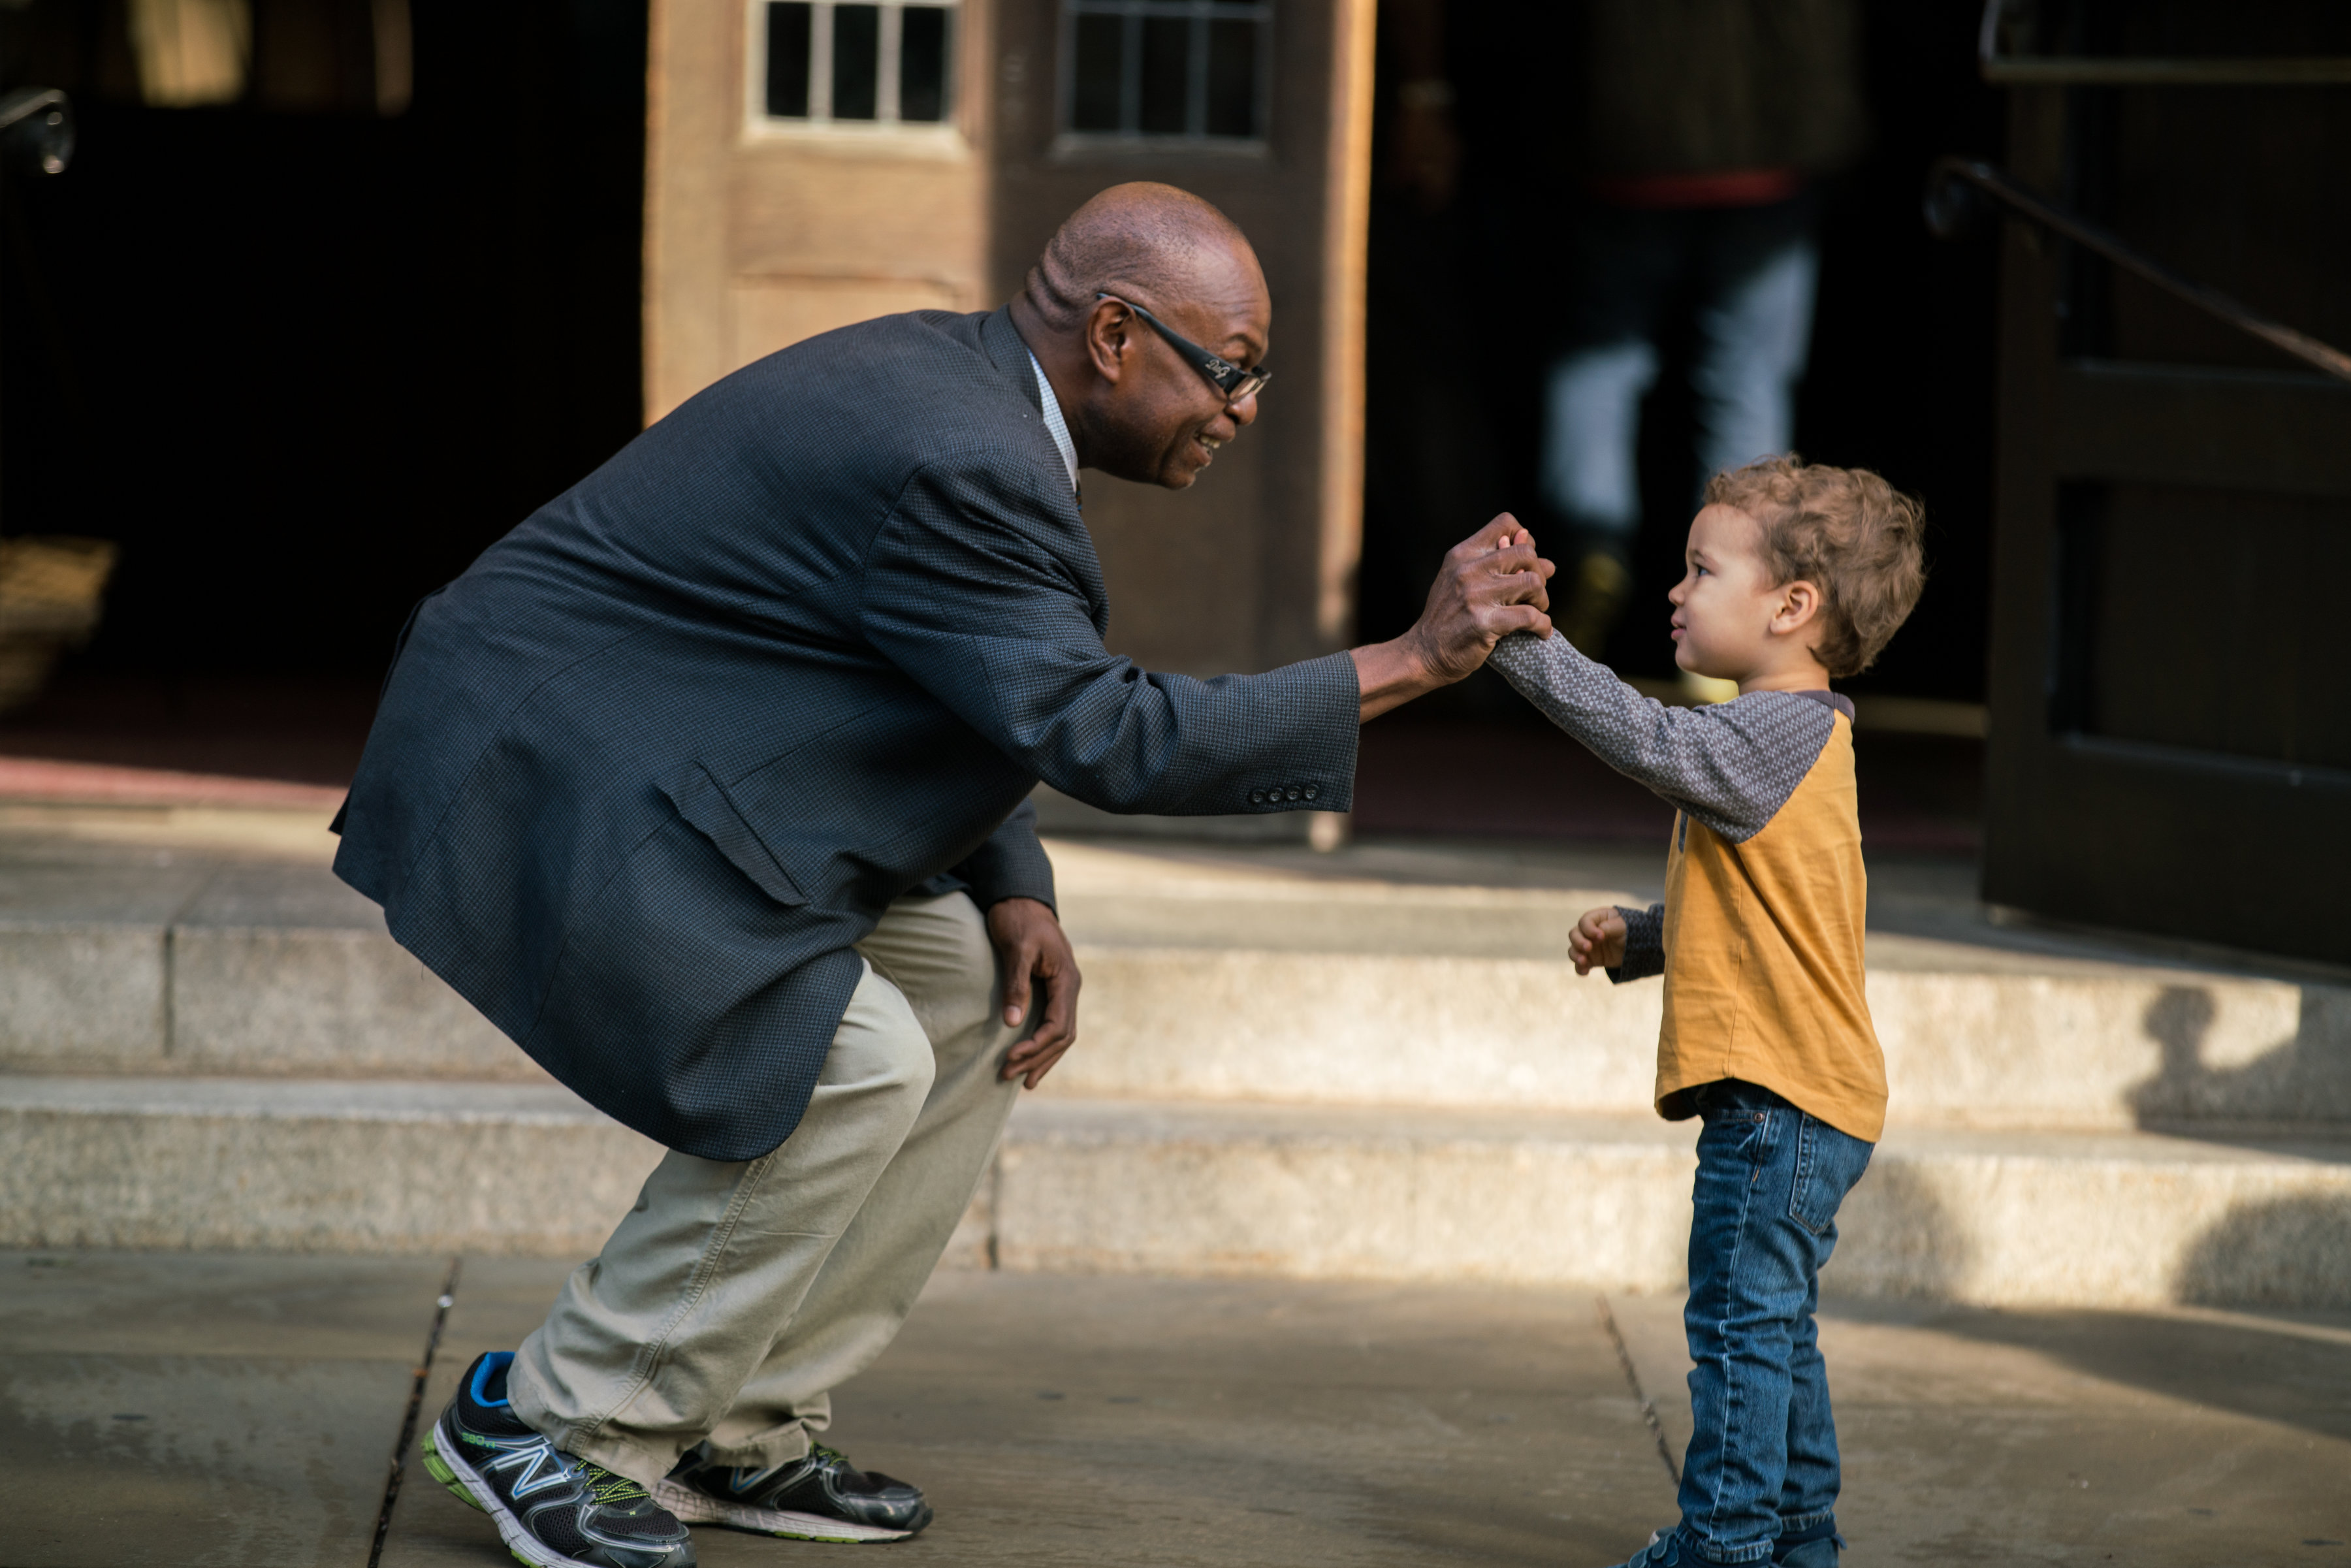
<point>221,1408</point>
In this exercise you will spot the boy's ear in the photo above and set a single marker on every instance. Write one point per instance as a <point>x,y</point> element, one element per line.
<point>1800,606</point>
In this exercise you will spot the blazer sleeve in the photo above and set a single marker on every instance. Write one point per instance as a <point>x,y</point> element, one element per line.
<point>967,592</point>
<point>1011,864</point>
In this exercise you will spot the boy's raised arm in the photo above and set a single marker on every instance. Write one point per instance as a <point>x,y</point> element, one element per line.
<point>1731,766</point>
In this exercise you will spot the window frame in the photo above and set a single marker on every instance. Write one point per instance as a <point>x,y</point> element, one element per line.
<point>941,136</point>
<point>1068,140</point>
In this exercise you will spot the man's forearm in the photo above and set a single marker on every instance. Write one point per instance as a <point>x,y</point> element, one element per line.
<point>1390,675</point>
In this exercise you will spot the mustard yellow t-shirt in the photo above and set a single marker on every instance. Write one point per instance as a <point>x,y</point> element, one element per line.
<point>1760,937</point>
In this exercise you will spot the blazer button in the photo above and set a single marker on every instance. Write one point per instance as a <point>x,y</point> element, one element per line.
<point>1293,791</point>
<point>1309,791</point>
<point>1257,796</point>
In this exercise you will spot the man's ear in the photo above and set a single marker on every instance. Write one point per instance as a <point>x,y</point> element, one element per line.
<point>1110,331</point>
<point>1800,606</point>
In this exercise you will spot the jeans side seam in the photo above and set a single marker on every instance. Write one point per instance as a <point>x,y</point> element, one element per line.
<point>1731,1393</point>
<point>1806,1146</point>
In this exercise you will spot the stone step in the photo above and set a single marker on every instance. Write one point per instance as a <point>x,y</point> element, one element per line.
<point>1219,979</point>
<point>2008,1218</point>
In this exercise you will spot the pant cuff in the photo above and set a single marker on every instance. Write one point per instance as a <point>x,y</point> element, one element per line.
<point>763,1453</point>
<point>620,1457</point>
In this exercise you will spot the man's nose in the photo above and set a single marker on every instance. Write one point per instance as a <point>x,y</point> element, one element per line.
<point>1244,412</point>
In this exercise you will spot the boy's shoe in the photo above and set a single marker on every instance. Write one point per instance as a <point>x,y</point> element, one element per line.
<point>1815,1546</point>
<point>821,1498</point>
<point>1668,1548</point>
<point>552,1509</point>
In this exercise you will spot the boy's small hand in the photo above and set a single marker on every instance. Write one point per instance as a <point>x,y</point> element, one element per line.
<point>1598,941</point>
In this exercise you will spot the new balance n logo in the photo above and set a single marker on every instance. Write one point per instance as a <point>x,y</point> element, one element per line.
<point>540,1465</point>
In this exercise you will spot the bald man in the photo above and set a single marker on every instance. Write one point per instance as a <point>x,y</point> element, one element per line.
<point>708,784</point>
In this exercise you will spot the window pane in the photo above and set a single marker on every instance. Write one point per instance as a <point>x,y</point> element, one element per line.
<point>923,64</point>
<point>1166,73</point>
<point>1100,55</point>
<point>1232,78</point>
<point>788,59</point>
<point>856,60</point>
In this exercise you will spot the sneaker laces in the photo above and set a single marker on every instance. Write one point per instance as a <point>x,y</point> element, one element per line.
<point>606,1487</point>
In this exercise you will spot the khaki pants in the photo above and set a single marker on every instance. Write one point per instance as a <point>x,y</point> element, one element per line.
<point>735,1296</point>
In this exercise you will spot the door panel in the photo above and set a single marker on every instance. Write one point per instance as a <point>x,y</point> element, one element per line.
<point>2169,746</point>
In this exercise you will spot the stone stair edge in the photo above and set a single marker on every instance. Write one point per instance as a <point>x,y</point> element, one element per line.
<point>1074,1121</point>
<point>2051,1219</point>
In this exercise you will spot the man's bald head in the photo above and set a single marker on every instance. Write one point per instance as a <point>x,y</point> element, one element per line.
<point>1151,240</point>
<point>1136,405</point>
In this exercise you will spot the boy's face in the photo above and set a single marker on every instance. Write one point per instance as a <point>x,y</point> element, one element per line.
<point>1730,620</point>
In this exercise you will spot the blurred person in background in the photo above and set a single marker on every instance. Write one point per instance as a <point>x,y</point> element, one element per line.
<point>1681,141</point>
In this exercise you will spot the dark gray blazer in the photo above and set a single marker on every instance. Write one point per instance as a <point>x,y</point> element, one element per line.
<point>643,774</point>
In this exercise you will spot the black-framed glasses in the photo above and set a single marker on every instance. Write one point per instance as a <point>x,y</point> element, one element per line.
<point>1229,379</point>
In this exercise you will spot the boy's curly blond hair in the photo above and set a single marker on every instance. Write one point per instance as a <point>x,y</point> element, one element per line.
<point>1856,537</point>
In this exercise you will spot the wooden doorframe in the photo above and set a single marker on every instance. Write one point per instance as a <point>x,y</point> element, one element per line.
<point>2241,852</point>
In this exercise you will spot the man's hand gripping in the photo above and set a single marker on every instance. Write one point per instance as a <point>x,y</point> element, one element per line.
<point>1032,952</point>
<point>1492,584</point>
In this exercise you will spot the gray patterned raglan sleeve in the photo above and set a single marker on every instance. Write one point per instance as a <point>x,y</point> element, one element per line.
<point>1731,765</point>
<point>1645,944</point>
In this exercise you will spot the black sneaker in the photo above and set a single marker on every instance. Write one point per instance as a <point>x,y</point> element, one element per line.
<point>552,1509</point>
<point>821,1498</point>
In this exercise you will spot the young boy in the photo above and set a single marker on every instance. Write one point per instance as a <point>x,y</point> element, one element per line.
<point>1795,575</point>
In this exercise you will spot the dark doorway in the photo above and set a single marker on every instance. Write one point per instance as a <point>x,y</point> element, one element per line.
<point>303,358</point>
<point>304,350</point>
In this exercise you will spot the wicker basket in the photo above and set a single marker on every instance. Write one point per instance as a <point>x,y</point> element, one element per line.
<point>50,591</point>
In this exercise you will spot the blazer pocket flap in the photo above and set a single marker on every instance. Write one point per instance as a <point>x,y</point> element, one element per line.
<point>704,803</point>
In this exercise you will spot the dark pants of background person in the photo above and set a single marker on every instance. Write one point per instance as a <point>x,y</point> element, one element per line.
<point>1736,284</point>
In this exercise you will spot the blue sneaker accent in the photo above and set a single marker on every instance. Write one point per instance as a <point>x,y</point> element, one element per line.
<point>492,1365</point>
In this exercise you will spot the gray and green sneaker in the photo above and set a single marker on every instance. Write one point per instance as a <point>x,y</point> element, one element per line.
<point>552,1509</point>
<point>821,1498</point>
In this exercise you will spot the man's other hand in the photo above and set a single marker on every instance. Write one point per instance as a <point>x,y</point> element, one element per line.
<point>1492,584</point>
<point>1597,941</point>
<point>1033,954</point>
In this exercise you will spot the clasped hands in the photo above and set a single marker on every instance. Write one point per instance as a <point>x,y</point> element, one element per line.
<point>1492,584</point>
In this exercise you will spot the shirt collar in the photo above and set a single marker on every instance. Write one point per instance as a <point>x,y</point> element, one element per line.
<point>1054,423</point>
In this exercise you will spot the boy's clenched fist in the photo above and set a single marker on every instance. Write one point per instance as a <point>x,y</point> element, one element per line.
<point>1598,940</point>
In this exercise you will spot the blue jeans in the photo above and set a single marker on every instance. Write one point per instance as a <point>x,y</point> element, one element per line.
<point>1739,283</point>
<point>1762,1458</point>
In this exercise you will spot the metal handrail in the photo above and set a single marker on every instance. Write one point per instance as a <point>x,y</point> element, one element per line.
<point>2077,70</point>
<point>1948,215</point>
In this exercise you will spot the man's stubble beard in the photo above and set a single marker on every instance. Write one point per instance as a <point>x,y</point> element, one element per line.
<point>1124,454</point>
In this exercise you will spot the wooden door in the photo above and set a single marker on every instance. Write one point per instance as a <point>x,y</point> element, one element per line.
<point>808,167</point>
<point>2170,733</point>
